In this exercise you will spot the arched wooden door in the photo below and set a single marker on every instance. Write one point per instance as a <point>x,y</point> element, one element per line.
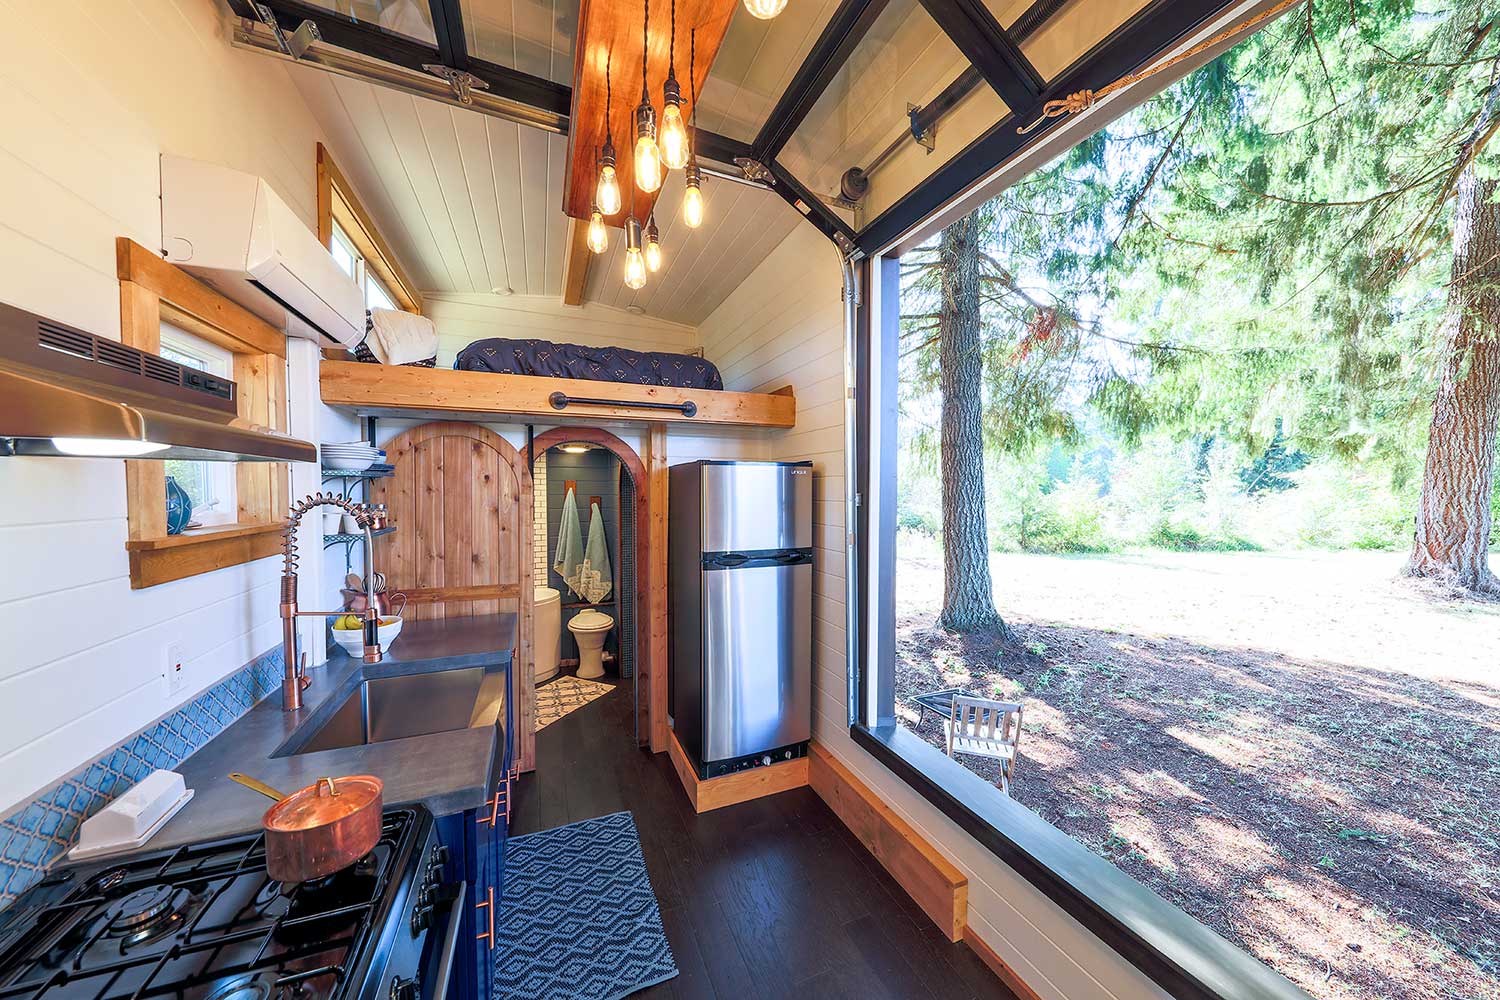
<point>460,499</point>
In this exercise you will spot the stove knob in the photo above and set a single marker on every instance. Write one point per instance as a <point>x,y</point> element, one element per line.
<point>421,919</point>
<point>403,989</point>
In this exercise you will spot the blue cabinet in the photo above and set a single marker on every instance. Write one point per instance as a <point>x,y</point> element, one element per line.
<point>475,839</point>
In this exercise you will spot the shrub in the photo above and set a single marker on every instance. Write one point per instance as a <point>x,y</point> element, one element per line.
<point>910,520</point>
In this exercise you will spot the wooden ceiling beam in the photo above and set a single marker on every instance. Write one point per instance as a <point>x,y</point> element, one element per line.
<point>609,35</point>
<point>576,262</point>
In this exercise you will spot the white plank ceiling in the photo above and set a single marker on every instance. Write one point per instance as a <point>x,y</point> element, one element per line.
<point>471,203</point>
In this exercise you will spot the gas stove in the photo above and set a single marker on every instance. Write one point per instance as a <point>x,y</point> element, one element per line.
<point>205,922</point>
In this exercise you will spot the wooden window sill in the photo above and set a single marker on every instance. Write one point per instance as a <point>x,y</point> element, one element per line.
<point>166,558</point>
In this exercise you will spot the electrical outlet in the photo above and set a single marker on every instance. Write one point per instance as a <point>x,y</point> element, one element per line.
<point>174,661</point>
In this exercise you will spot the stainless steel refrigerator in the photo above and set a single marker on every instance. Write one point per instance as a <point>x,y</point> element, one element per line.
<point>740,580</point>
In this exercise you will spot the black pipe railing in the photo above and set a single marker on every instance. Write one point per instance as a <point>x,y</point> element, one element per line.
<point>561,401</point>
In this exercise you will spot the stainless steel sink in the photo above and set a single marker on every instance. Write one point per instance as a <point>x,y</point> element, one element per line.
<point>398,708</point>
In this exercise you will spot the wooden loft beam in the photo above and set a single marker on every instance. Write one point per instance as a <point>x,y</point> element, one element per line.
<point>576,263</point>
<point>445,394</point>
<point>609,35</point>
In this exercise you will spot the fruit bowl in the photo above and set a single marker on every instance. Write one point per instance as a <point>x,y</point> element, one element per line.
<point>352,640</point>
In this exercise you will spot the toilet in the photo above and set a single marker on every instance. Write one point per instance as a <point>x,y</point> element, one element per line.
<point>547,621</point>
<point>590,628</point>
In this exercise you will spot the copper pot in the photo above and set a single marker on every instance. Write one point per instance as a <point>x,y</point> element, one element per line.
<point>388,604</point>
<point>320,829</point>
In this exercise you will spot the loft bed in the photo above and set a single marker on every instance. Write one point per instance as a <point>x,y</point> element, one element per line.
<point>372,390</point>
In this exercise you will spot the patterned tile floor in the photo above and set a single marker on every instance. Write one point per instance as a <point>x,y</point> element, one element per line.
<point>565,694</point>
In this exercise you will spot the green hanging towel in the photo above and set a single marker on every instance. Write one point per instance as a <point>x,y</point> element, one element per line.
<point>569,558</point>
<point>593,573</point>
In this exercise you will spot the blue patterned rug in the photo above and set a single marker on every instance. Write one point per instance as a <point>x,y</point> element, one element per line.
<point>579,920</point>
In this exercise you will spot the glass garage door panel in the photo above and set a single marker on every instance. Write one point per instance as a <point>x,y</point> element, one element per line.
<point>861,119</point>
<point>533,36</point>
<point>1054,43</point>
<point>409,18</point>
<point>756,64</point>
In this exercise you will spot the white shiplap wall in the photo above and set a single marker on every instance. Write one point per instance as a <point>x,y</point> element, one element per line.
<point>783,325</point>
<point>83,666</point>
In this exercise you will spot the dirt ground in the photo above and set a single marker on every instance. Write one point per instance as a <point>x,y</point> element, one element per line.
<point>1298,749</point>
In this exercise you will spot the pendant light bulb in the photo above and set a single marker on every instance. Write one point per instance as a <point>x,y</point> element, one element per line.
<point>647,153</point>
<point>598,234</point>
<point>692,197</point>
<point>674,137</point>
<point>653,246</point>
<point>765,9</point>
<point>608,195</point>
<point>635,264</point>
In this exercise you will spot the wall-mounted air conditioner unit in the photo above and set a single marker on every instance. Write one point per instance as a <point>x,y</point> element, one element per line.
<point>230,229</point>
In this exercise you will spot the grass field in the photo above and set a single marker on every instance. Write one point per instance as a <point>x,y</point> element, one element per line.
<point>1299,749</point>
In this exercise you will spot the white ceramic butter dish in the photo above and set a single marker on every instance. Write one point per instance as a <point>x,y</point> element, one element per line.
<point>133,818</point>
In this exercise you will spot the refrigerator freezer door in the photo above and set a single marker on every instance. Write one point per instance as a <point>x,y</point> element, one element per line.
<point>756,507</point>
<point>757,658</point>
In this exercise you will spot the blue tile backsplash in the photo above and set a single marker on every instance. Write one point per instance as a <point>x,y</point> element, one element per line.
<point>37,834</point>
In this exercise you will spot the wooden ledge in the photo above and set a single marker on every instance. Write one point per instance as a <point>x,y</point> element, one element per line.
<point>175,557</point>
<point>716,793</point>
<point>198,536</point>
<point>932,881</point>
<point>445,394</point>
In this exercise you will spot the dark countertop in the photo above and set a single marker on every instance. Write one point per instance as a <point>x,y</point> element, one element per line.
<point>449,772</point>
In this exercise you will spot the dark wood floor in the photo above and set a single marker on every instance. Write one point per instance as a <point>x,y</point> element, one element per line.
<point>771,898</point>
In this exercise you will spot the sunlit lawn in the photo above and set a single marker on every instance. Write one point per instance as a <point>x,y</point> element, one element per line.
<point>1299,749</point>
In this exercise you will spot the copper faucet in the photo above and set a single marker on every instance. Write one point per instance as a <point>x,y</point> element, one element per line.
<point>371,520</point>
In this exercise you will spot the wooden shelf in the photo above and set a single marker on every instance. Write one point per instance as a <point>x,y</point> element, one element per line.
<point>445,394</point>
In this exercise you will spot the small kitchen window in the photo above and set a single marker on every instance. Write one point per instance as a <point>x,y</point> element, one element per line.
<point>239,507</point>
<point>209,485</point>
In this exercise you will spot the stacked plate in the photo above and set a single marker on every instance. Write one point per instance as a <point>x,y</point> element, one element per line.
<point>356,456</point>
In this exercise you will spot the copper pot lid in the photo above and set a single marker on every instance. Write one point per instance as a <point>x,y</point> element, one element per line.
<point>328,801</point>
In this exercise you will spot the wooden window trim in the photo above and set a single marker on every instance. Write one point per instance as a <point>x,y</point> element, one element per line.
<point>152,290</point>
<point>337,202</point>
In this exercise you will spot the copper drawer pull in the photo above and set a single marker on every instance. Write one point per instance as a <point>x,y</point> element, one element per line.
<point>489,903</point>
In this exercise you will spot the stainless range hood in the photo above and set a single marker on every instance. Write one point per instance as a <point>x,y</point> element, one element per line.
<point>64,392</point>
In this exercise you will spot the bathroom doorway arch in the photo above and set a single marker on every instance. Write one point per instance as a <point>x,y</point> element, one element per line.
<point>650,595</point>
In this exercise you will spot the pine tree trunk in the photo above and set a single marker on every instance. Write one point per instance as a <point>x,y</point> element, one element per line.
<point>1452,541</point>
<point>968,601</point>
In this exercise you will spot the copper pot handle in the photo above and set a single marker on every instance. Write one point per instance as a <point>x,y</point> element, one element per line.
<point>328,784</point>
<point>256,786</point>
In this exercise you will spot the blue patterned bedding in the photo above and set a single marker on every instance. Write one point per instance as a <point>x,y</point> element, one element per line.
<point>605,364</point>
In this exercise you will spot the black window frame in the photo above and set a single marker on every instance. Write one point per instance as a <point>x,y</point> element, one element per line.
<point>1172,949</point>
